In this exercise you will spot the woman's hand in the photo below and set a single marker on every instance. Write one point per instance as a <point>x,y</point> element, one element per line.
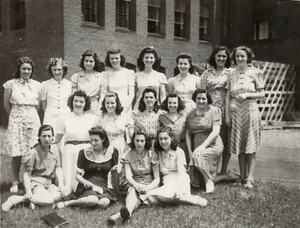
<point>140,188</point>
<point>242,97</point>
<point>88,184</point>
<point>63,190</point>
<point>97,189</point>
<point>201,148</point>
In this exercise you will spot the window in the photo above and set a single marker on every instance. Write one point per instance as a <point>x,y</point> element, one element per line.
<point>261,30</point>
<point>126,14</point>
<point>182,19</point>
<point>204,20</point>
<point>224,22</point>
<point>93,11</point>
<point>157,16</point>
<point>17,14</point>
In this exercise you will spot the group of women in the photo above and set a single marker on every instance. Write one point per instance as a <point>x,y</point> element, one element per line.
<point>118,130</point>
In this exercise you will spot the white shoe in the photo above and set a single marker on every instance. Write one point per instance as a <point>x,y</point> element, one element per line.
<point>201,201</point>
<point>114,218</point>
<point>32,206</point>
<point>210,187</point>
<point>6,206</point>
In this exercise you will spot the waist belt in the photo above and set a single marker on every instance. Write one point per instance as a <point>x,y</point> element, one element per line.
<point>76,142</point>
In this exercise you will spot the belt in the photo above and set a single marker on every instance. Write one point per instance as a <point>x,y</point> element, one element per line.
<point>76,142</point>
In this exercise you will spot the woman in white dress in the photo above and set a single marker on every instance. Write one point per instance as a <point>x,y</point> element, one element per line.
<point>90,79</point>
<point>148,64</point>
<point>119,79</point>
<point>74,127</point>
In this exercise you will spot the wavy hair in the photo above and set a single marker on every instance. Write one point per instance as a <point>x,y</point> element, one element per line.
<point>99,66</point>
<point>164,105</point>
<point>21,61</point>
<point>98,130</point>
<point>80,93</point>
<point>172,133</point>
<point>147,139</point>
<point>119,108</point>
<point>114,51</point>
<point>249,52</point>
<point>197,91</point>
<point>148,50</point>
<point>185,56</point>
<point>55,62</point>
<point>212,58</point>
<point>142,105</point>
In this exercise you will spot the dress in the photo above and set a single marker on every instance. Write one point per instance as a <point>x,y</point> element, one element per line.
<point>24,121</point>
<point>185,87</point>
<point>245,131</point>
<point>155,79</point>
<point>121,82</point>
<point>94,85</point>
<point>75,130</point>
<point>200,127</point>
<point>96,171</point>
<point>175,184</point>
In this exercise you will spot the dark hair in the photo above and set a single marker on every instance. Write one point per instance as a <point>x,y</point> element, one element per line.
<point>147,50</point>
<point>80,93</point>
<point>55,62</point>
<point>185,56</point>
<point>197,91</point>
<point>45,127</point>
<point>99,66</point>
<point>21,61</point>
<point>147,139</point>
<point>212,58</point>
<point>119,108</point>
<point>164,105</point>
<point>250,54</point>
<point>142,105</point>
<point>114,51</point>
<point>98,130</point>
<point>172,133</point>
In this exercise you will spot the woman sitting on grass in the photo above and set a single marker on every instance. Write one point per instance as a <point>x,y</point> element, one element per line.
<point>142,173</point>
<point>176,182</point>
<point>93,165</point>
<point>40,163</point>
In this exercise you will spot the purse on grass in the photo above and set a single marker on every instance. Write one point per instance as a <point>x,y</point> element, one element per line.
<point>54,220</point>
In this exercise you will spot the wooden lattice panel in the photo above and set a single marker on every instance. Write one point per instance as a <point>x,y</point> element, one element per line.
<point>279,79</point>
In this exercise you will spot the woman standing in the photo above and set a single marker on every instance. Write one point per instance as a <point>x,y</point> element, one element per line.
<point>245,86</point>
<point>21,102</point>
<point>90,79</point>
<point>185,83</point>
<point>119,79</point>
<point>214,81</point>
<point>142,173</point>
<point>74,127</point>
<point>148,63</point>
<point>204,144</point>
<point>93,165</point>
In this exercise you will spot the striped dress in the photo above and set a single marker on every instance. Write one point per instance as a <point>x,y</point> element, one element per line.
<point>245,131</point>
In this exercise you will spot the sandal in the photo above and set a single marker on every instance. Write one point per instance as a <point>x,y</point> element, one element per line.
<point>14,187</point>
<point>7,205</point>
<point>32,206</point>
<point>60,205</point>
<point>249,184</point>
<point>113,219</point>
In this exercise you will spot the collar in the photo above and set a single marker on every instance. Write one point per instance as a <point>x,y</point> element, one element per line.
<point>23,81</point>
<point>41,150</point>
<point>89,154</point>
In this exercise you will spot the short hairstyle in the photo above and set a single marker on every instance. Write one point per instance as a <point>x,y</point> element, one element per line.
<point>147,50</point>
<point>147,139</point>
<point>142,105</point>
<point>164,105</point>
<point>212,58</point>
<point>250,54</point>
<point>119,108</point>
<point>21,61</point>
<point>172,133</point>
<point>185,56</point>
<point>55,62</point>
<point>45,127</point>
<point>99,66</point>
<point>98,130</point>
<point>197,91</point>
<point>114,51</point>
<point>80,93</point>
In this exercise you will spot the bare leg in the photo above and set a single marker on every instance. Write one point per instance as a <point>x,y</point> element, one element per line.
<point>103,202</point>
<point>242,164</point>
<point>16,164</point>
<point>225,161</point>
<point>12,201</point>
<point>89,201</point>
<point>209,184</point>
<point>193,200</point>
<point>55,193</point>
<point>41,196</point>
<point>132,201</point>
<point>251,158</point>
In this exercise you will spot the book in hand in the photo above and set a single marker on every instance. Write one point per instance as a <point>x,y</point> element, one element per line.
<point>54,220</point>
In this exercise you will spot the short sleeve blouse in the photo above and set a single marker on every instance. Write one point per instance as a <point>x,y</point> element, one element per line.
<point>177,125</point>
<point>168,160</point>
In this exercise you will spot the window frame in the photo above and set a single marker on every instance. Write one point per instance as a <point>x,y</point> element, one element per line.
<point>18,14</point>
<point>203,17</point>
<point>258,31</point>
<point>184,22</point>
<point>99,12</point>
<point>130,15</point>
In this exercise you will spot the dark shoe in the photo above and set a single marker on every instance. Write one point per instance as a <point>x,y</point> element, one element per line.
<point>124,213</point>
<point>249,184</point>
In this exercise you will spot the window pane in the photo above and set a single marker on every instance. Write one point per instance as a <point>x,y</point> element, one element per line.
<point>180,5</point>
<point>122,13</point>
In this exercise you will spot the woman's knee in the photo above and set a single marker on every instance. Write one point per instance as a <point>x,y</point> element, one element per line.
<point>104,202</point>
<point>91,201</point>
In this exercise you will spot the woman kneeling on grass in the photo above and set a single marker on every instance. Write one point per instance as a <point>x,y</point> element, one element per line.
<point>142,172</point>
<point>93,166</point>
<point>40,163</point>
<point>176,182</point>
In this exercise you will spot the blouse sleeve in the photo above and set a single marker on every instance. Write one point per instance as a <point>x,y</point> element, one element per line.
<point>198,82</point>
<point>131,78</point>
<point>153,158</point>
<point>115,157</point>
<point>204,80</point>
<point>163,79</point>
<point>125,158</point>
<point>81,160</point>
<point>229,79</point>
<point>61,126</point>
<point>8,84</point>
<point>29,160</point>
<point>217,116</point>
<point>44,92</point>
<point>74,80</point>
<point>180,155</point>
<point>129,121</point>
<point>258,80</point>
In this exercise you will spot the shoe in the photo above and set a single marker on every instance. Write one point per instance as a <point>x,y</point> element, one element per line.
<point>239,182</point>
<point>7,205</point>
<point>14,187</point>
<point>113,219</point>
<point>201,201</point>
<point>60,205</point>
<point>124,213</point>
<point>210,187</point>
<point>249,184</point>
<point>32,206</point>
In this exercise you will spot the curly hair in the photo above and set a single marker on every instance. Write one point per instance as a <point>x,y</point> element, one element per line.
<point>164,105</point>
<point>172,133</point>
<point>21,61</point>
<point>80,93</point>
<point>98,130</point>
<point>142,105</point>
<point>185,56</point>
<point>197,91</point>
<point>148,50</point>
<point>114,51</point>
<point>99,66</point>
<point>119,108</point>
<point>45,127</point>
<point>212,58</point>
<point>55,62</point>
<point>147,139</point>
<point>249,52</point>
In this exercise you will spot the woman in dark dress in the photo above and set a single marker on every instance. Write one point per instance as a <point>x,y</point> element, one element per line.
<point>93,166</point>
